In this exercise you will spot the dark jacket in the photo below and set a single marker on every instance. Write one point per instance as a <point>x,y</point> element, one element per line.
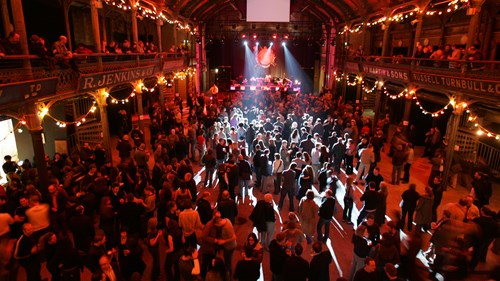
<point>277,257</point>
<point>327,208</point>
<point>297,269</point>
<point>320,267</point>
<point>410,198</point>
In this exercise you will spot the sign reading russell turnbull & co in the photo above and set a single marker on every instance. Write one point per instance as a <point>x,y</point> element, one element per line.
<point>106,79</point>
<point>457,83</point>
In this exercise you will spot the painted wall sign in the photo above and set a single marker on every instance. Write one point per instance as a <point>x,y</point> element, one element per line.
<point>456,83</point>
<point>105,79</point>
<point>387,72</point>
<point>19,92</point>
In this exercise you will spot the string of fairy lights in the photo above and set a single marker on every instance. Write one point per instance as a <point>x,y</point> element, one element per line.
<point>451,7</point>
<point>146,12</point>
<point>62,124</point>
<point>411,93</point>
<point>139,86</point>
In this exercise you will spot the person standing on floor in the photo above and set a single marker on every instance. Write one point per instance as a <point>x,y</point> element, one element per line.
<point>297,268</point>
<point>308,212</point>
<point>278,254</point>
<point>263,219</point>
<point>398,160</point>
<point>325,214</point>
<point>410,155</point>
<point>370,198</point>
<point>423,217</point>
<point>288,187</point>
<point>320,264</point>
<point>408,204</point>
<point>348,200</point>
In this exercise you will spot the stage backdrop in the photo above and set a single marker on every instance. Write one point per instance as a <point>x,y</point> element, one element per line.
<point>231,53</point>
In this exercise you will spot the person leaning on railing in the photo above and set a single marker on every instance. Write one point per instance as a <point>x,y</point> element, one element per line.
<point>63,56</point>
<point>473,54</point>
<point>455,55</point>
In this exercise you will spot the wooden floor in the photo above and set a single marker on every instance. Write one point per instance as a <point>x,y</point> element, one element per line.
<point>339,243</point>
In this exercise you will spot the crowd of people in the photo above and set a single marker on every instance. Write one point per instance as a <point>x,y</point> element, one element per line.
<point>447,56</point>
<point>102,217</point>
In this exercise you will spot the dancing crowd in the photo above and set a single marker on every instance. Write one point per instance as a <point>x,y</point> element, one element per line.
<point>102,217</point>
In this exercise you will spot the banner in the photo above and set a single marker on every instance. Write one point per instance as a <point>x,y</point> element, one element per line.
<point>106,79</point>
<point>459,84</point>
<point>20,92</point>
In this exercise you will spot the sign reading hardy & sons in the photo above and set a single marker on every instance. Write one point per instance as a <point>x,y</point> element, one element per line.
<point>386,72</point>
<point>106,79</point>
<point>469,85</point>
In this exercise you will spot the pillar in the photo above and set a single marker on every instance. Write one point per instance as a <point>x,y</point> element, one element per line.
<point>474,22</point>
<point>386,41</point>
<point>104,31</point>
<point>20,27</point>
<point>66,6</point>
<point>358,90</point>
<point>5,17</point>
<point>159,23</point>
<point>135,31</point>
<point>378,96</point>
<point>140,110</point>
<point>100,98</point>
<point>344,85</point>
<point>95,25</point>
<point>35,128</point>
<point>406,114</point>
<point>451,136</point>
<point>326,82</point>
<point>174,33</point>
<point>161,94</point>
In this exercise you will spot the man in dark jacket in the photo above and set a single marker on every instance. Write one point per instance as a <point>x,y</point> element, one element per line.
<point>325,215</point>
<point>297,268</point>
<point>410,198</point>
<point>398,159</point>
<point>245,172</point>
<point>320,263</point>
<point>289,186</point>
<point>307,145</point>
<point>371,198</point>
<point>278,256</point>
<point>82,228</point>
<point>338,153</point>
<point>482,189</point>
<point>227,207</point>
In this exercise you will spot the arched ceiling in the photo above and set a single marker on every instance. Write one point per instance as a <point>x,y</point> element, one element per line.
<point>333,11</point>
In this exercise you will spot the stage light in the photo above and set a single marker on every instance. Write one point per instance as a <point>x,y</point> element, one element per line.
<point>283,44</point>
<point>257,43</point>
<point>245,42</point>
<point>274,36</point>
<point>243,36</point>
<point>270,44</point>
<point>285,37</point>
<point>254,36</point>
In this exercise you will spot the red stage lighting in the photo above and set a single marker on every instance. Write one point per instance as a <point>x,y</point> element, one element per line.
<point>285,37</point>
<point>243,36</point>
<point>275,36</point>
<point>254,36</point>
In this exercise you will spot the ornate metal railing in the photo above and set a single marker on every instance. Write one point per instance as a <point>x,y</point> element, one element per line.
<point>24,68</point>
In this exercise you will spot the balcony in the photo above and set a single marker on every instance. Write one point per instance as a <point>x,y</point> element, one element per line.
<point>476,78</point>
<point>15,69</point>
